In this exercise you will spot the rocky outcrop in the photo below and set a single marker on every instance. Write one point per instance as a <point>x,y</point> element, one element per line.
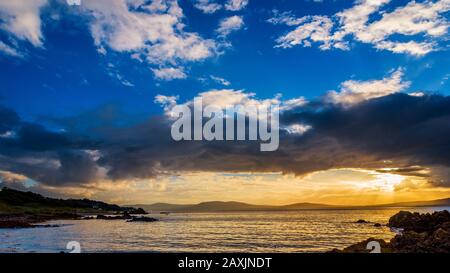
<point>142,219</point>
<point>15,224</point>
<point>361,247</point>
<point>421,233</point>
<point>128,217</point>
<point>417,222</point>
<point>30,221</point>
<point>137,211</point>
<point>124,216</point>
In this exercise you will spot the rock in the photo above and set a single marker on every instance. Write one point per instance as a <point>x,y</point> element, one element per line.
<point>22,224</point>
<point>377,225</point>
<point>45,226</point>
<point>408,242</point>
<point>143,219</point>
<point>124,216</point>
<point>65,216</point>
<point>137,211</point>
<point>361,221</point>
<point>15,224</point>
<point>105,217</point>
<point>361,247</point>
<point>419,222</point>
<point>422,233</point>
<point>25,220</point>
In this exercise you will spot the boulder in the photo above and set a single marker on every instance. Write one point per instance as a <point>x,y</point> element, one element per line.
<point>142,219</point>
<point>419,222</point>
<point>137,211</point>
<point>422,233</point>
<point>361,247</point>
<point>15,224</point>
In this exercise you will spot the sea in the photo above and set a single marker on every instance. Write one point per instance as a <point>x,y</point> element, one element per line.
<point>242,232</point>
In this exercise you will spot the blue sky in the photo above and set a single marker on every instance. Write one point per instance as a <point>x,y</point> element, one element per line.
<point>87,88</point>
<point>67,75</point>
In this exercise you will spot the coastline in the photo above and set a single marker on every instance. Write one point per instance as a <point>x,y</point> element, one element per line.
<point>419,233</point>
<point>426,232</point>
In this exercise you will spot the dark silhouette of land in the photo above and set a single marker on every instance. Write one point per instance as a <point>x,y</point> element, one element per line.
<point>421,233</point>
<point>219,206</point>
<point>20,209</point>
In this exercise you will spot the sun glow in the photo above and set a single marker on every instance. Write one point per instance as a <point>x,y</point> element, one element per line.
<point>346,186</point>
<point>384,182</point>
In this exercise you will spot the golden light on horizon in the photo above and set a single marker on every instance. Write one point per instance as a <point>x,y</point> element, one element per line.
<point>349,186</point>
<point>384,182</point>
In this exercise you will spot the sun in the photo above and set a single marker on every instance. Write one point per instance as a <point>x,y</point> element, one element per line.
<point>383,182</point>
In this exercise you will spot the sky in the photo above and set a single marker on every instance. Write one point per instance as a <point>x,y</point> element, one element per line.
<point>87,88</point>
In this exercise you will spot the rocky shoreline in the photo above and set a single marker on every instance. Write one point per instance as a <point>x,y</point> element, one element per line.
<point>25,220</point>
<point>19,209</point>
<point>34,221</point>
<point>128,217</point>
<point>419,233</point>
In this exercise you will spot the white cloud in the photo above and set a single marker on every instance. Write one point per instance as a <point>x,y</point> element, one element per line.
<point>353,92</point>
<point>220,80</point>
<point>285,18</point>
<point>115,74</point>
<point>293,103</point>
<point>417,94</point>
<point>157,33</point>
<point>169,73</point>
<point>230,24</point>
<point>297,129</point>
<point>354,19</point>
<point>22,19</point>
<point>227,98</point>
<point>8,50</point>
<point>153,32</point>
<point>423,22</point>
<point>411,47</point>
<point>235,5</point>
<point>314,29</point>
<point>412,19</point>
<point>7,134</point>
<point>207,6</point>
<point>167,102</point>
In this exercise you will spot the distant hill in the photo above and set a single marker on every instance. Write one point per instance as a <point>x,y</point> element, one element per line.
<point>218,206</point>
<point>18,201</point>
<point>14,200</point>
<point>433,203</point>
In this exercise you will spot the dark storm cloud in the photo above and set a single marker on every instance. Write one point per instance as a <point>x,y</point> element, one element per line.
<point>8,119</point>
<point>43,155</point>
<point>416,129</point>
<point>396,131</point>
<point>405,133</point>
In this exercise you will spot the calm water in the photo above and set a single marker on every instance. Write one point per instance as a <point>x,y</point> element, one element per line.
<point>300,231</point>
